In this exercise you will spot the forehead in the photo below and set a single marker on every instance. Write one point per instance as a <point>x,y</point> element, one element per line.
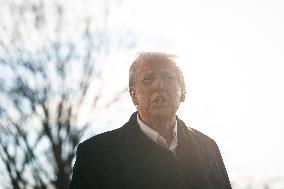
<point>155,65</point>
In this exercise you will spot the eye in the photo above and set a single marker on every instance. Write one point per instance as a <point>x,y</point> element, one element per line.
<point>148,79</point>
<point>169,76</point>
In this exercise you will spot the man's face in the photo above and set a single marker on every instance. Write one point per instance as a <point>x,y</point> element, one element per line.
<point>156,93</point>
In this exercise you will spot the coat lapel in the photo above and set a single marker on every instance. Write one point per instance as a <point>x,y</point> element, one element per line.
<point>189,141</point>
<point>206,153</point>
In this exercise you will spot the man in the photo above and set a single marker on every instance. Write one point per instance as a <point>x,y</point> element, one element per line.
<point>154,149</point>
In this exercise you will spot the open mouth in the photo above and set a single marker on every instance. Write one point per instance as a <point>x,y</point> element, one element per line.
<point>160,100</point>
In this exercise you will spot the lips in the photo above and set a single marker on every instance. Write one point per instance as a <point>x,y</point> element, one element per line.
<point>159,99</point>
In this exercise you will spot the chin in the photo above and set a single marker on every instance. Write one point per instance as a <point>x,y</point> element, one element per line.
<point>162,113</point>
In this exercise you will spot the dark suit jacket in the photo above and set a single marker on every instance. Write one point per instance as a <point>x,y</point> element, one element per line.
<point>126,158</point>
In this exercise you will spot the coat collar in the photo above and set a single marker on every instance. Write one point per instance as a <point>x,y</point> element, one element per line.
<point>200,144</point>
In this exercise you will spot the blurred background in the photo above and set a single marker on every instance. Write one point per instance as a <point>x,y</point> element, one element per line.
<point>64,76</point>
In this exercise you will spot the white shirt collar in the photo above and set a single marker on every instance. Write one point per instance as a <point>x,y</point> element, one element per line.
<point>156,137</point>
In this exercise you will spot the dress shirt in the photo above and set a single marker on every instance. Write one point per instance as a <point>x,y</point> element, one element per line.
<point>156,137</point>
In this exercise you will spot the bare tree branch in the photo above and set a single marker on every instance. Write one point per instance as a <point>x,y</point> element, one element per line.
<point>47,83</point>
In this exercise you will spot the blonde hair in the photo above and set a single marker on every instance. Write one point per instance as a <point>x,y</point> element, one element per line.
<point>148,57</point>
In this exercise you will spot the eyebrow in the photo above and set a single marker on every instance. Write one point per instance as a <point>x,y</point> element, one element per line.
<point>147,73</point>
<point>163,72</point>
<point>168,71</point>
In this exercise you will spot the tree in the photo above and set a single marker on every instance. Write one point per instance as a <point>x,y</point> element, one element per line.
<point>50,85</point>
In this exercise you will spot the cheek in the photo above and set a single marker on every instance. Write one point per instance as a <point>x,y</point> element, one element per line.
<point>143,99</point>
<point>176,97</point>
<point>175,92</point>
<point>143,105</point>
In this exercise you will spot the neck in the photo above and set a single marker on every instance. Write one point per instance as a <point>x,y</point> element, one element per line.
<point>163,125</point>
<point>165,128</point>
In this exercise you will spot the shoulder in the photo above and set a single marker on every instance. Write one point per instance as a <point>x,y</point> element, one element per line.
<point>196,135</point>
<point>102,139</point>
<point>109,139</point>
<point>200,135</point>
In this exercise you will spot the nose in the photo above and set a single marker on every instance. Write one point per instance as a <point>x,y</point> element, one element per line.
<point>159,83</point>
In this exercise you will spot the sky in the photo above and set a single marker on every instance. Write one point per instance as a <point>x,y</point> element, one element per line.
<point>231,53</point>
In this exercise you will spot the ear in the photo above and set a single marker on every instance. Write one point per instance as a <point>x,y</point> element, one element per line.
<point>182,96</point>
<point>133,97</point>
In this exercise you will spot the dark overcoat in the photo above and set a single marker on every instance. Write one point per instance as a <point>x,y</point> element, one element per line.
<point>126,158</point>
